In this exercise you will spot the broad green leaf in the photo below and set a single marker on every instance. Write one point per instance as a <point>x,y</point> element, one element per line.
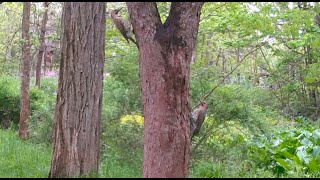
<point>316,134</point>
<point>283,163</point>
<point>316,151</point>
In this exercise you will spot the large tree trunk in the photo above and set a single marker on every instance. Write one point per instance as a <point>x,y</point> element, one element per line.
<point>76,136</point>
<point>165,55</point>
<point>25,74</point>
<point>42,43</point>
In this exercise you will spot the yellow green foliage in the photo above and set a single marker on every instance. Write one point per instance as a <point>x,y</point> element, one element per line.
<point>132,118</point>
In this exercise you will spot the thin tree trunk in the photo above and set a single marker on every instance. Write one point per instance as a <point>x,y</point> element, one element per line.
<point>208,55</point>
<point>165,55</point>
<point>25,74</point>
<point>317,100</point>
<point>76,133</point>
<point>238,61</point>
<point>224,66</point>
<point>255,71</point>
<point>42,43</point>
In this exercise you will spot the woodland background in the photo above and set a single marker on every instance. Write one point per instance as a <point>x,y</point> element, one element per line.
<point>260,60</point>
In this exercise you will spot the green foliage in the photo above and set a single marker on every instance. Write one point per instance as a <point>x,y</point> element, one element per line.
<point>205,169</point>
<point>122,143</point>
<point>243,133</point>
<point>42,103</point>
<point>9,101</point>
<point>288,151</point>
<point>119,99</point>
<point>245,104</point>
<point>42,106</point>
<point>122,150</point>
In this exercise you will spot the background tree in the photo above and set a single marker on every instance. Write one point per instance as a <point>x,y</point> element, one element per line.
<point>42,43</point>
<point>25,73</point>
<point>165,55</point>
<point>76,138</point>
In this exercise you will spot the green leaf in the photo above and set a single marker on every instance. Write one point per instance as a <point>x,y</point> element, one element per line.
<point>276,143</point>
<point>316,134</point>
<point>283,163</point>
<point>286,154</point>
<point>313,165</point>
<point>302,154</point>
<point>316,151</point>
<point>305,141</point>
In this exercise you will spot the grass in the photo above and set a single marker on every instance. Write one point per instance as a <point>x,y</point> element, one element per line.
<point>20,158</point>
<point>111,167</point>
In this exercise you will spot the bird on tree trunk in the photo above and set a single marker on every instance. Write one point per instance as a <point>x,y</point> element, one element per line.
<point>197,118</point>
<point>317,19</point>
<point>122,25</point>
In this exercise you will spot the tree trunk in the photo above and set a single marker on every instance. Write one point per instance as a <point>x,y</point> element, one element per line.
<point>238,61</point>
<point>42,43</point>
<point>76,133</point>
<point>255,71</point>
<point>165,55</point>
<point>25,74</point>
<point>208,55</point>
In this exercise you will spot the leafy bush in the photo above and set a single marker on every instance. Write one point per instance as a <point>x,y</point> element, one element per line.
<point>239,103</point>
<point>207,169</point>
<point>9,101</point>
<point>42,106</point>
<point>42,102</point>
<point>122,129</point>
<point>122,144</point>
<point>119,99</point>
<point>288,151</point>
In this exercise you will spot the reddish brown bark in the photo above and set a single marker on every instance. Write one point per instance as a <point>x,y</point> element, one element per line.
<point>42,43</point>
<point>76,138</point>
<point>165,55</point>
<point>25,74</point>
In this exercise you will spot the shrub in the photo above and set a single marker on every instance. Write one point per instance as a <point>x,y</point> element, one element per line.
<point>42,102</point>
<point>42,106</point>
<point>9,101</point>
<point>288,151</point>
<point>122,129</point>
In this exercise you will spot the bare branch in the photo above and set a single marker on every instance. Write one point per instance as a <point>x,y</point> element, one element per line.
<point>221,81</point>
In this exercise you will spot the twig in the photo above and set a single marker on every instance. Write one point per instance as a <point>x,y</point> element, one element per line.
<point>221,81</point>
<point>10,43</point>
<point>206,135</point>
<point>213,11</point>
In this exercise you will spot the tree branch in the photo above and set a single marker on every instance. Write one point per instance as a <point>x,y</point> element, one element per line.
<point>221,81</point>
<point>139,15</point>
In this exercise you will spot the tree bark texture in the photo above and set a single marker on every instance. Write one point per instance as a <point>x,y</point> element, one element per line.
<point>165,55</point>
<point>76,133</point>
<point>25,74</point>
<point>42,43</point>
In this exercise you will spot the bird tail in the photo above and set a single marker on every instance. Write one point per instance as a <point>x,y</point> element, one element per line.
<point>127,40</point>
<point>131,39</point>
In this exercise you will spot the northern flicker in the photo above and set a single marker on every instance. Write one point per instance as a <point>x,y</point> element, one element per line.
<point>317,19</point>
<point>122,25</point>
<point>197,118</point>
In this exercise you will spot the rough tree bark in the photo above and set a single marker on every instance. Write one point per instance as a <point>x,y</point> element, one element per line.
<point>76,133</point>
<point>165,55</point>
<point>25,74</point>
<point>42,43</point>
